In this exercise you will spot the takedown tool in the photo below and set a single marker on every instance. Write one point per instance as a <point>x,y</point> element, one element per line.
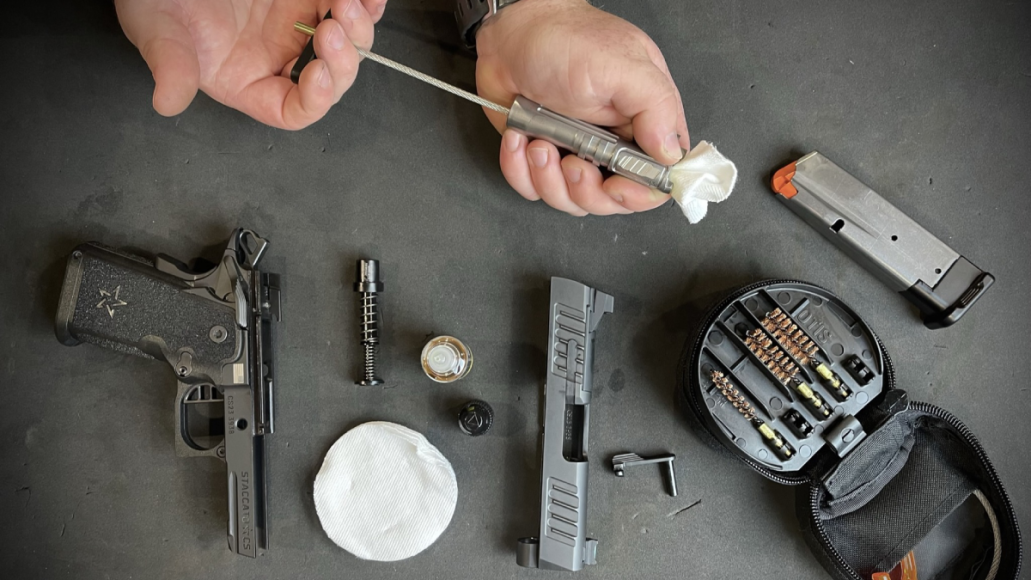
<point>597,145</point>
<point>625,460</point>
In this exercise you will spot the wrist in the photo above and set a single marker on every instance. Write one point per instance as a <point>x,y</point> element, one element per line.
<point>523,9</point>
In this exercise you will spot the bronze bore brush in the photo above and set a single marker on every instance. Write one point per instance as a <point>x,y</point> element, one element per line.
<point>773,437</point>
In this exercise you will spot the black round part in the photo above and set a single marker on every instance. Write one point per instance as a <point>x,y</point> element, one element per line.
<point>367,276</point>
<point>475,418</point>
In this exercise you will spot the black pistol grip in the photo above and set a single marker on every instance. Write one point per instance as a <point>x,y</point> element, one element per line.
<point>124,303</point>
<point>214,329</point>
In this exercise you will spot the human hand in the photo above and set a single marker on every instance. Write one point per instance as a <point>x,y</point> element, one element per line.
<point>240,53</point>
<point>588,64</point>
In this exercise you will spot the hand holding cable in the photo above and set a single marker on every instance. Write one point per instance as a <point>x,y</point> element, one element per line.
<point>590,143</point>
<point>240,53</point>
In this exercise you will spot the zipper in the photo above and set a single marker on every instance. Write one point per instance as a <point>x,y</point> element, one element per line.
<point>997,491</point>
<point>692,357</point>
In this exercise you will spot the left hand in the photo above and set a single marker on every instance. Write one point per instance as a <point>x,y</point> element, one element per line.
<point>587,64</point>
<point>240,53</point>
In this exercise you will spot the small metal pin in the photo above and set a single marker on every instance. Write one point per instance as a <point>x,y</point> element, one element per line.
<point>304,28</point>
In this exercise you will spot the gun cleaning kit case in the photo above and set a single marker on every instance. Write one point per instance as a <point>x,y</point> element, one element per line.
<point>790,380</point>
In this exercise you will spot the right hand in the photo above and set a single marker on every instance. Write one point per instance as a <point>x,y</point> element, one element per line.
<point>582,62</point>
<point>240,53</point>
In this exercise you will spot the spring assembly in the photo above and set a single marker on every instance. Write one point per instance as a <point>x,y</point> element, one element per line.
<point>772,437</point>
<point>370,334</point>
<point>368,286</point>
<point>799,345</point>
<point>785,370</point>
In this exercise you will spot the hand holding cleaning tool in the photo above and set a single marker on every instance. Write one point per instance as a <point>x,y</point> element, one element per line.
<point>597,145</point>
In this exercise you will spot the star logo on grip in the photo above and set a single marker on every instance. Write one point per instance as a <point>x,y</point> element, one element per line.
<point>111,301</point>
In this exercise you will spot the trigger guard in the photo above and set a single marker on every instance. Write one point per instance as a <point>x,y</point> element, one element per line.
<point>194,405</point>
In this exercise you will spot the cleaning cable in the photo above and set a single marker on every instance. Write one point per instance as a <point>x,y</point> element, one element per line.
<point>310,31</point>
<point>997,554</point>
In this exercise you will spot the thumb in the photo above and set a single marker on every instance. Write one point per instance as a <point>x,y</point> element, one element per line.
<point>648,97</point>
<point>168,48</point>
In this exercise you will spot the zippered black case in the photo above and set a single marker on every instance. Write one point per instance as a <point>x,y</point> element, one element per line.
<point>790,380</point>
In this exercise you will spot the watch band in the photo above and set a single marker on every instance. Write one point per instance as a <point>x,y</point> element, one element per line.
<point>471,14</point>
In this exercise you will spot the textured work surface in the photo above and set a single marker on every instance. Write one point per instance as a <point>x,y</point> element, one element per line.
<point>928,102</point>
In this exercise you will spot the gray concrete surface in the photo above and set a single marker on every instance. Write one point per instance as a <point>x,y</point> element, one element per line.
<point>929,102</point>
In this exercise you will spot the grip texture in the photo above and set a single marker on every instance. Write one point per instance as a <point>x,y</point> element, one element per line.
<point>123,303</point>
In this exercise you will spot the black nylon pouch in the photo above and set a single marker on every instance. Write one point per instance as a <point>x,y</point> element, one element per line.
<point>927,506</point>
<point>917,480</point>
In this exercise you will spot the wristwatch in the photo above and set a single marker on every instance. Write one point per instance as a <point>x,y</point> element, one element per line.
<point>471,14</point>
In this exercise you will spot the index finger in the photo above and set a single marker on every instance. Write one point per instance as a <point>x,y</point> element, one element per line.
<point>650,98</point>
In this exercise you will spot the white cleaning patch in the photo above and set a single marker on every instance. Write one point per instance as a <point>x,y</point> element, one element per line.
<point>704,175</point>
<point>384,492</point>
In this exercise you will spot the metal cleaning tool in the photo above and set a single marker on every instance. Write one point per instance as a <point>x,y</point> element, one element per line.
<point>597,145</point>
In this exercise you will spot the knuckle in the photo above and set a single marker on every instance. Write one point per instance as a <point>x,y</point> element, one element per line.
<point>581,196</point>
<point>665,91</point>
<point>552,198</point>
<point>642,38</point>
<point>347,67</point>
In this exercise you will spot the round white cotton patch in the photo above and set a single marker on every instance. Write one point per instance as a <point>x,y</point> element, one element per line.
<point>384,492</point>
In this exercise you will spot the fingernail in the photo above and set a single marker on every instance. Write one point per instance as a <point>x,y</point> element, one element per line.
<point>324,80</point>
<point>672,146</point>
<point>657,195</point>
<point>573,174</point>
<point>353,10</point>
<point>538,156</point>
<point>511,139</point>
<point>616,196</point>
<point>336,37</point>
